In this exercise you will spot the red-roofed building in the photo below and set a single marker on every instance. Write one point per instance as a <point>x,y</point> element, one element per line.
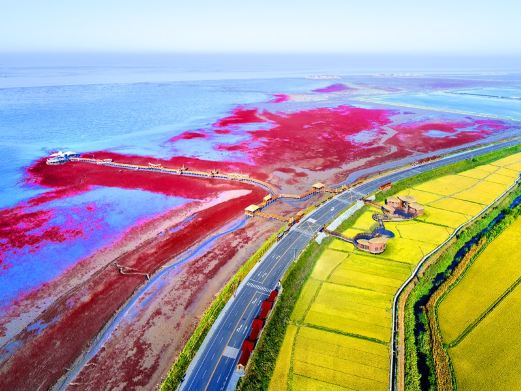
<point>265,309</point>
<point>248,345</point>
<point>245,356</point>
<point>273,295</point>
<point>256,328</point>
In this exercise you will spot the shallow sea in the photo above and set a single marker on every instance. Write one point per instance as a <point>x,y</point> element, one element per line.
<point>493,103</point>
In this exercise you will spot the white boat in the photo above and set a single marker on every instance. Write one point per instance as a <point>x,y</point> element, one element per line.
<point>61,157</point>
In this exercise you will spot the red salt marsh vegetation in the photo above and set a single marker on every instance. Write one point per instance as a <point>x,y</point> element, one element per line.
<point>337,87</point>
<point>279,98</point>
<point>163,321</point>
<point>289,149</point>
<point>78,314</point>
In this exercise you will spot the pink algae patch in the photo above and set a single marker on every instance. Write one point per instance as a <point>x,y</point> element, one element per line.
<point>79,177</point>
<point>21,227</point>
<point>337,87</point>
<point>415,136</point>
<point>29,225</point>
<point>327,138</point>
<point>239,116</point>
<point>188,136</point>
<point>448,127</point>
<point>491,124</point>
<point>222,131</point>
<point>315,139</point>
<point>279,98</point>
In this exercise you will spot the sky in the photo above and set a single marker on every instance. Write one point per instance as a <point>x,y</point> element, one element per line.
<point>285,26</point>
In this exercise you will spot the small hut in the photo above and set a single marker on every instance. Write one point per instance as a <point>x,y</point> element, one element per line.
<point>374,245</point>
<point>250,210</point>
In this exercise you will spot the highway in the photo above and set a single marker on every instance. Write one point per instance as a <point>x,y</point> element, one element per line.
<point>214,363</point>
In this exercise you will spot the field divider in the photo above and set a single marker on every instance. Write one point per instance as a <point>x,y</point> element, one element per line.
<point>345,333</point>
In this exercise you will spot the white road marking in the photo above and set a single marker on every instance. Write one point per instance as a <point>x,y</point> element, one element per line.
<point>259,288</point>
<point>230,352</point>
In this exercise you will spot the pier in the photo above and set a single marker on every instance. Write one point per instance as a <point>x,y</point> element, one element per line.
<point>252,210</point>
<point>182,171</point>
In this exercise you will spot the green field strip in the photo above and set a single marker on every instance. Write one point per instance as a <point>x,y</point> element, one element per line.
<point>359,373</point>
<point>302,382</point>
<point>345,333</point>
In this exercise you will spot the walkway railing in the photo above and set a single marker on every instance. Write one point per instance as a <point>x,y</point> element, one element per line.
<point>179,171</point>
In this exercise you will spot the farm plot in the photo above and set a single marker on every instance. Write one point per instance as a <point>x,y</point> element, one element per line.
<point>488,357</point>
<point>343,315</point>
<point>351,310</point>
<point>491,274</point>
<point>325,357</point>
<point>279,379</point>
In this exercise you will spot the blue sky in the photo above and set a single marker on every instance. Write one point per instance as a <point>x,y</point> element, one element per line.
<point>348,26</point>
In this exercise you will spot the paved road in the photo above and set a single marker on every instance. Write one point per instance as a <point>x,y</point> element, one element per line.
<point>215,362</point>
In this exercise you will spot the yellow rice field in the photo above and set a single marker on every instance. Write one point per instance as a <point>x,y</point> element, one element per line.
<point>465,207</point>
<point>279,379</point>
<point>343,315</point>
<point>488,357</point>
<point>330,259</point>
<point>444,217</point>
<point>497,268</point>
<point>307,296</point>
<point>482,314</point>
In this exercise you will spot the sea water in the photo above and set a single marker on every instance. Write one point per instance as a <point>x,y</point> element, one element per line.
<point>478,102</point>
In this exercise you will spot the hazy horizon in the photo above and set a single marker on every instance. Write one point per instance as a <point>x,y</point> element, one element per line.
<point>348,61</point>
<point>375,26</point>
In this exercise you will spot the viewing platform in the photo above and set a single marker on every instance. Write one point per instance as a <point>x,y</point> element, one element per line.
<point>374,242</point>
<point>397,208</point>
<point>61,157</point>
